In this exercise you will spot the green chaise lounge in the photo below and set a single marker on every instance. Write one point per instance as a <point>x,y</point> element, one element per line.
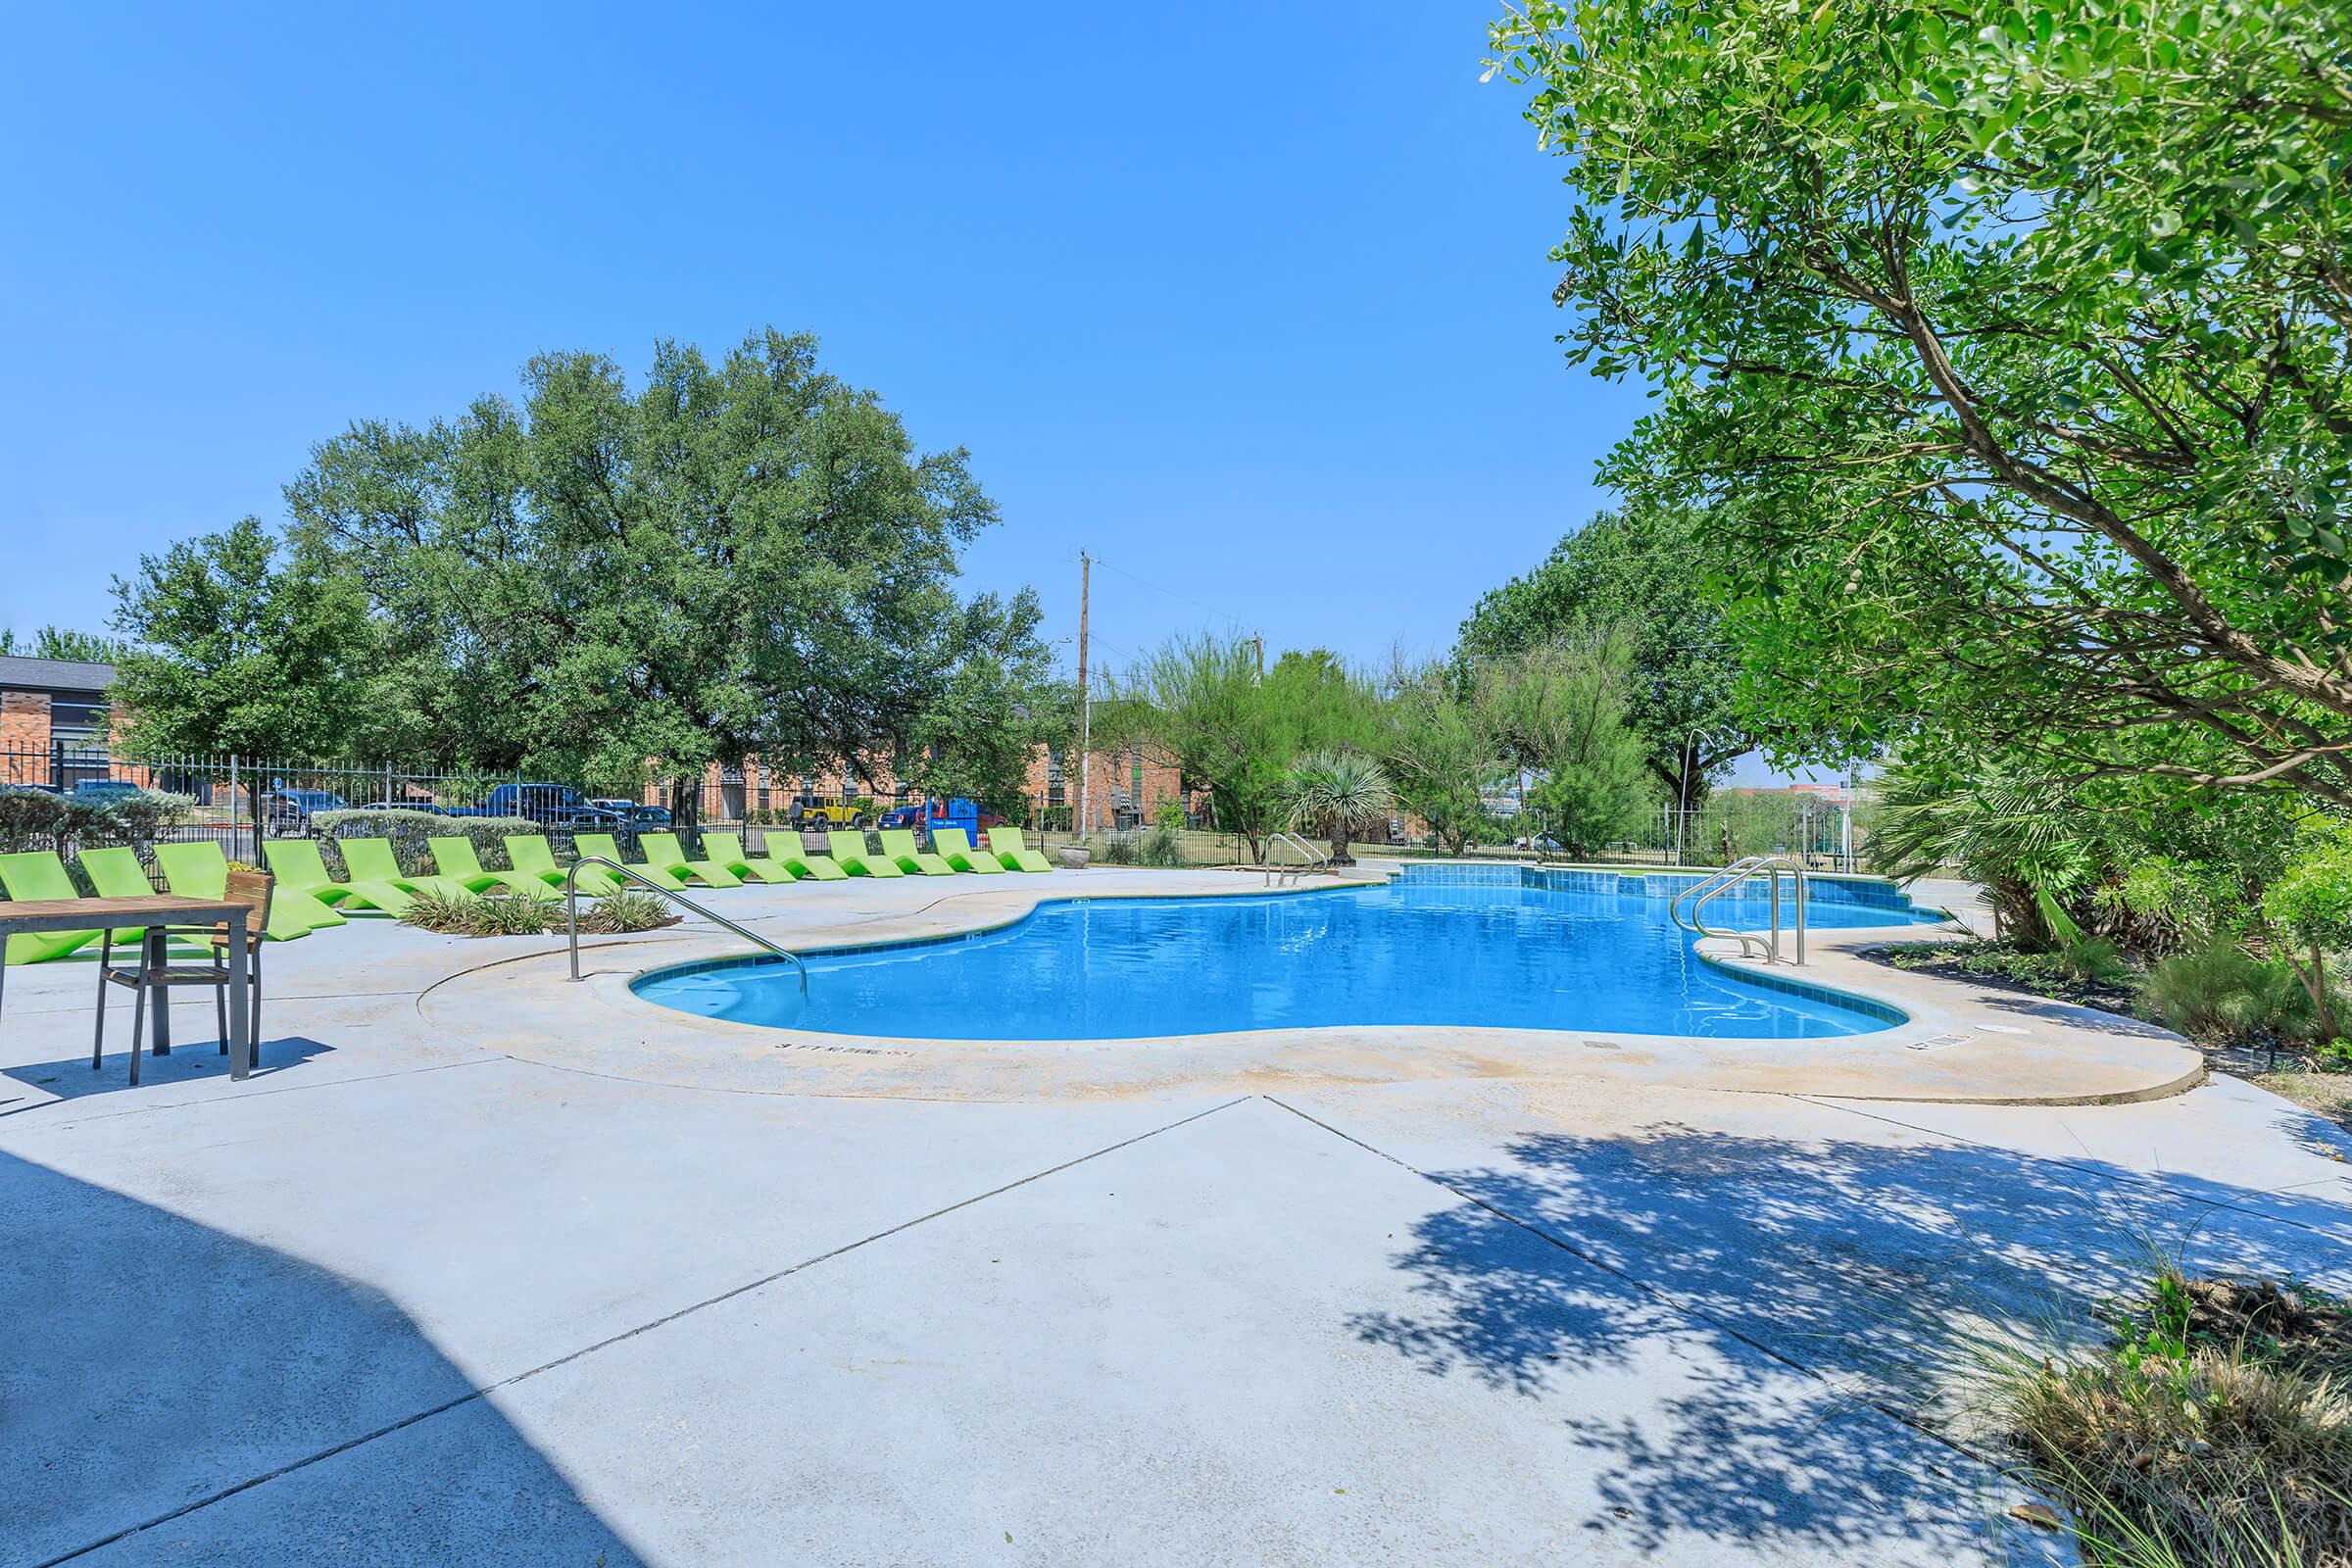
<point>1013,852</point>
<point>455,862</point>
<point>953,847</point>
<point>601,844</point>
<point>851,853</point>
<point>116,873</point>
<point>40,875</point>
<point>373,861</point>
<point>300,868</point>
<point>899,844</point>
<point>529,853</point>
<point>726,850</point>
<point>199,870</point>
<point>662,850</point>
<point>801,864</point>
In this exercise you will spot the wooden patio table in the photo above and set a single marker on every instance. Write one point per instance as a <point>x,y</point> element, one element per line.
<point>153,911</point>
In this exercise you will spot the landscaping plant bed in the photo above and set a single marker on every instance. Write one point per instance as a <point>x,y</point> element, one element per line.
<point>2213,1427</point>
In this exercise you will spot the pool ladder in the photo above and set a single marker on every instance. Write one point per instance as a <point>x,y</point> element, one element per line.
<point>1291,873</point>
<point>1705,891</point>
<point>571,913</point>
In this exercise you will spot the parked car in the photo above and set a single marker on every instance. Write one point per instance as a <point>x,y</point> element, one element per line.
<point>955,812</point>
<point>99,791</point>
<point>634,813</point>
<point>29,789</point>
<point>549,805</point>
<point>289,811</point>
<point>806,815</point>
<point>402,805</point>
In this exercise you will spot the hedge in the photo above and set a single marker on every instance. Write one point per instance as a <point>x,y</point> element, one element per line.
<point>409,831</point>
<point>35,819</point>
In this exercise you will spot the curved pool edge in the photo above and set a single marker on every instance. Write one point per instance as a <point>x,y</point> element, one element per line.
<point>1961,1043</point>
<point>1888,1014</point>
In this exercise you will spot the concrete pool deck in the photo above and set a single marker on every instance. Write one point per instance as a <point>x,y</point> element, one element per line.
<point>426,1288</point>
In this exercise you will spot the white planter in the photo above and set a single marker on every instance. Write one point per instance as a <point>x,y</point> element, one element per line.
<point>1073,856</point>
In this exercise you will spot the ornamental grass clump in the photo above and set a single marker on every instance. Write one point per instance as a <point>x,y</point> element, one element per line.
<point>617,913</point>
<point>469,914</point>
<point>2214,1427</point>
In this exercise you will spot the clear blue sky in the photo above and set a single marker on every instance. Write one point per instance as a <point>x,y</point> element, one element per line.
<point>1249,301</point>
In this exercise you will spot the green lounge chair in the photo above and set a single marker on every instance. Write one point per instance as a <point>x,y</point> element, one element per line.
<point>300,868</point>
<point>116,873</point>
<point>601,844</point>
<point>373,861</point>
<point>40,875</point>
<point>801,864</point>
<point>851,855</point>
<point>529,853</point>
<point>455,863</point>
<point>199,870</point>
<point>727,849</point>
<point>1013,852</point>
<point>662,850</point>
<point>957,850</point>
<point>899,844</point>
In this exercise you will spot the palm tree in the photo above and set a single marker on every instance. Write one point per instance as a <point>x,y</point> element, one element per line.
<point>1335,792</point>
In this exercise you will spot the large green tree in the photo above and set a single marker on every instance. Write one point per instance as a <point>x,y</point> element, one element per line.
<point>1203,705</point>
<point>1001,699</point>
<point>1443,747</point>
<point>2004,349</point>
<point>732,558</point>
<point>1562,709</point>
<point>62,642</point>
<point>237,646</point>
<point>1636,575</point>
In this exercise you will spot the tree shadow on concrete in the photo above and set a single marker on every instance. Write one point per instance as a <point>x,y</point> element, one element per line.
<point>1751,1280</point>
<point>166,1375</point>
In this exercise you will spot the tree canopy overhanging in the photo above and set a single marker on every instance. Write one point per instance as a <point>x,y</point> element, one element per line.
<point>2003,352</point>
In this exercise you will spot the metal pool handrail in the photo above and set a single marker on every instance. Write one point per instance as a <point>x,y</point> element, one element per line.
<point>572,914</point>
<point>1770,865</point>
<point>1314,856</point>
<point>1707,884</point>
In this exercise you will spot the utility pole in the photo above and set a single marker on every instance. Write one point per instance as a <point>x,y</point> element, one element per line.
<point>1086,705</point>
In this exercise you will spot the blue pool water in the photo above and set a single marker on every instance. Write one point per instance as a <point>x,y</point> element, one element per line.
<point>1409,952</point>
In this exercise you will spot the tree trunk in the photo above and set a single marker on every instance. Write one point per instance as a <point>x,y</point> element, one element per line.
<point>2316,982</point>
<point>1339,845</point>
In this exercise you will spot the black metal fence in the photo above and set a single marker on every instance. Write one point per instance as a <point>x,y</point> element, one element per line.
<point>242,801</point>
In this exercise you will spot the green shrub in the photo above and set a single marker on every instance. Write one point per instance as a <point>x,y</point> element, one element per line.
<point>409,831</point>
<point>1163,847</point>
<point>35,819</point>
<point>469,914</point>
<point>2095,959</point>
<point>625,910</point>
<point>2225,990</point>
<point>2213,1427</point>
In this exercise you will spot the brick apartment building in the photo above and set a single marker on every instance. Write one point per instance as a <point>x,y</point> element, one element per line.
<point>1128,788</point>
<point>53,721</point>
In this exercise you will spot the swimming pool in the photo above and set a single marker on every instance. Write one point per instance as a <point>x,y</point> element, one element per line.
<point>1413,951</point>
